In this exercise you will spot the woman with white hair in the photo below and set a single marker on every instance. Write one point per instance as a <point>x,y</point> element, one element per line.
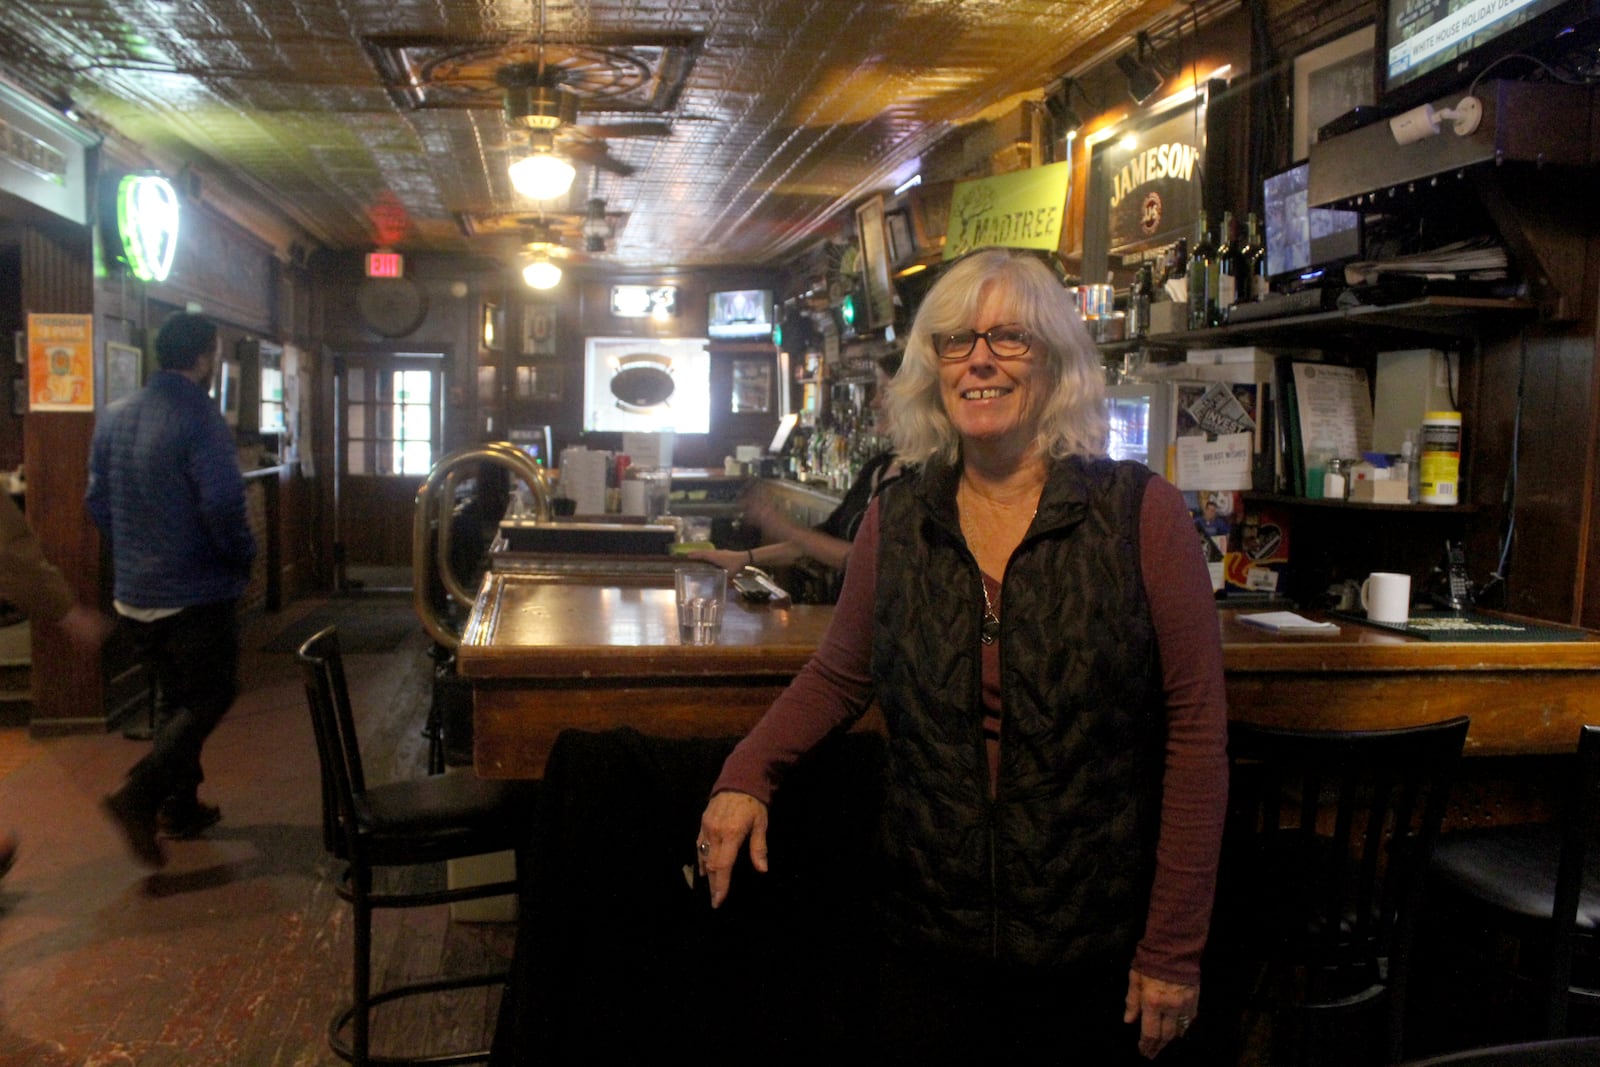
<point>1036,622</point>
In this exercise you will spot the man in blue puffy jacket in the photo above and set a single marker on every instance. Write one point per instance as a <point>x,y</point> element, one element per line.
<point>165,487</point>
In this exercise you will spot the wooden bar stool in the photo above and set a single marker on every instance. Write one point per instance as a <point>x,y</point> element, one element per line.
<point>419,821</point>
<point>1326,847</point>
<point>1540,884</point>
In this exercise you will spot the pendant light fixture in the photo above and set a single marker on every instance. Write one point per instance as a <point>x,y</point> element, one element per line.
<point>542,272</point>
<point>542,175</point>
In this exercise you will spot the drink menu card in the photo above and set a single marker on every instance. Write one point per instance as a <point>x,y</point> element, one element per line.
<point>1335,408</point>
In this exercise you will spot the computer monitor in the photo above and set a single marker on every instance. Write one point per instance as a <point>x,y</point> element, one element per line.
<point>1305,245</point>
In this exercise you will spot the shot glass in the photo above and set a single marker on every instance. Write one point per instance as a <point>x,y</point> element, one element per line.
<point>701,592</point>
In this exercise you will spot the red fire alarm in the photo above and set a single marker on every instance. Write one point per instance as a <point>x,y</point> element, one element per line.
<point>385,265</point>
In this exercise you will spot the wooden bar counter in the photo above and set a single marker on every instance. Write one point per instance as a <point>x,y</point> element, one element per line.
<point>546,653</point>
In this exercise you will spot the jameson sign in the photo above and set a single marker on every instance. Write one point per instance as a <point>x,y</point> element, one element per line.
<point>1154,185</point>
<point>1022,209</point>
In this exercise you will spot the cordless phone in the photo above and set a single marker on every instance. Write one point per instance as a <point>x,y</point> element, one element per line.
<point>1458,588</point>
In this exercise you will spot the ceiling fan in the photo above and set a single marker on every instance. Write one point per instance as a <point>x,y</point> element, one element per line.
<point>544,110</point>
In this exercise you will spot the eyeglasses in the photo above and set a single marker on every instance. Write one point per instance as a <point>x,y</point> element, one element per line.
<point>1006,342</point>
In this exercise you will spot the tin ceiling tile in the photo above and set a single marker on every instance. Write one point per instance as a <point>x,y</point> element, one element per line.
<point>782,113</point>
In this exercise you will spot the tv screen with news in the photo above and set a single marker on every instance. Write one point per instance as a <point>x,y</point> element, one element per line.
<point>1427,48</point>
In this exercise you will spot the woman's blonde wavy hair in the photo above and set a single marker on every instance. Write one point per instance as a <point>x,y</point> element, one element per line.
<point>1072,418</point>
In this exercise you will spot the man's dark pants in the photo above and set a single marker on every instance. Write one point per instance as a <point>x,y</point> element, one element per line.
<point>196,657</point>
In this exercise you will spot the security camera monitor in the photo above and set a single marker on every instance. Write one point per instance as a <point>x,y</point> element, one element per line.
<point>1305,244</point>
<point>740,314</point>
<point>1429,48</point>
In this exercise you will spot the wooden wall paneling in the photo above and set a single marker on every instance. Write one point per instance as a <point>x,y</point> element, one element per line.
<point>57,276</point>
<point>1552,472</point>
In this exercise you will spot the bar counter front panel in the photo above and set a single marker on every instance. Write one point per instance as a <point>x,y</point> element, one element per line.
<point>543,655</point>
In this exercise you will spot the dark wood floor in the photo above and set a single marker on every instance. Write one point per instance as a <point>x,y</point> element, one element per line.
<point>239,951</point>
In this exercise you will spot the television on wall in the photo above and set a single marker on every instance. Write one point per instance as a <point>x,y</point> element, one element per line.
<point>740,314</point>
<point>1429,48</point>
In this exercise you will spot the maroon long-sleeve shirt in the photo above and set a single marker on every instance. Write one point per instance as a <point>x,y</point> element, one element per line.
<point>836,686</point>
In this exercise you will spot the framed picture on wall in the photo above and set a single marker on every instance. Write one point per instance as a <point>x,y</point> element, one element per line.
<point>875,263</point>
<point>538,330</point>
<point>1329,81</point>
<point>902,247</point>
<point>122,371</point>
<point>540,381</point>
<point>493,328</point>
<point>752,387</point>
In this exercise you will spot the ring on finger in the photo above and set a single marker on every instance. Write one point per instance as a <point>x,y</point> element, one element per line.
<point>1182,1022</point>
<point>704,848</point>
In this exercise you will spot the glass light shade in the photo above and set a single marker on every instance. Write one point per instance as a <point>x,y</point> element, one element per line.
<point>542,176</point>
<point>541,274</point>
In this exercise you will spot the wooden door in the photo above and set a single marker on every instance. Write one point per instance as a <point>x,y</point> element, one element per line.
<point>388,411</point>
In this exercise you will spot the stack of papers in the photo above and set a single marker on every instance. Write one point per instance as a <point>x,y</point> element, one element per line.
<point>1287,622</point>
<point>1475,260</point>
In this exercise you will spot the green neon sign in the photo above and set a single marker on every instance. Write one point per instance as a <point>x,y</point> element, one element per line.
<point>847,310</point>
<point>147,220</point>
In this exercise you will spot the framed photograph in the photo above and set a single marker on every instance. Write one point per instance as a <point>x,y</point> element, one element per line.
<point>493,328</point>
<point>875,263</point>
<point>752,386</point>
<point>538,330</point>
<point>488,383</point>
<point>1330,80</point>
<point>123,364</point>
<point>902,246</point>
<point>540,381</point>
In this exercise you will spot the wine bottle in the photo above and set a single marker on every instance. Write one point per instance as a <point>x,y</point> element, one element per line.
<point>1256,258</point>
<point>1202,265</point>
<point>1228,271</point>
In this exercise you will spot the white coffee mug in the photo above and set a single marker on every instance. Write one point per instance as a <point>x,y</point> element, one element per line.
<point>1387,597</point>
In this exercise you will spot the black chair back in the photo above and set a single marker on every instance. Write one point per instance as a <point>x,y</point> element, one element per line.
<point>1578,835</point>
<point>1328,842</point>
<point>339,755</point>
<point>1561,1052</point>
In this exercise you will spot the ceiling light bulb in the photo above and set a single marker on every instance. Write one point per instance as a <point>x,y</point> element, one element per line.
<point>541,274</point>
<point>542,176</point>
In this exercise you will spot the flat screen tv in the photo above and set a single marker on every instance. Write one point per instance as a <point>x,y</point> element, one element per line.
<point>1305,244</point>
<point>1429,48</point>
<point>740,314</point>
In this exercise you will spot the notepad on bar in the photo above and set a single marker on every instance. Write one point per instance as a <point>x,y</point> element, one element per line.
<point>1287,622</point>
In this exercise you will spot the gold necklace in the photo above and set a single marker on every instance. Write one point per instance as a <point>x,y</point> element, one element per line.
<point>989,630</point>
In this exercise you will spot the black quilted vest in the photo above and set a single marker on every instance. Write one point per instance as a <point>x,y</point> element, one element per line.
<point>1056,868</point>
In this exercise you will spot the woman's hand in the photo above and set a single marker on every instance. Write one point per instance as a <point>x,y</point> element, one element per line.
<point>1163,1010</point>
<point>728,820</point>
<point>761,509</point>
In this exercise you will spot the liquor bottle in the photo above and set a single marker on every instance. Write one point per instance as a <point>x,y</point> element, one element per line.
<point>1201,276</point>
<point>1140,294</point>
<point>1227,269</point>
<point>1254,254</point>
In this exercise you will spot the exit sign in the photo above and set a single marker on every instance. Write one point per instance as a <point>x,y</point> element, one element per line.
<point>385,264</point>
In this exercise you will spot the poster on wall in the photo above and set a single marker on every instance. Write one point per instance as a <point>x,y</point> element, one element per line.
<point>61,362</point>
<point>1149,180</point>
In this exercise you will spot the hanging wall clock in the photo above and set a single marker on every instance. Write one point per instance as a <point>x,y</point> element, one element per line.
<point>393,307</point>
